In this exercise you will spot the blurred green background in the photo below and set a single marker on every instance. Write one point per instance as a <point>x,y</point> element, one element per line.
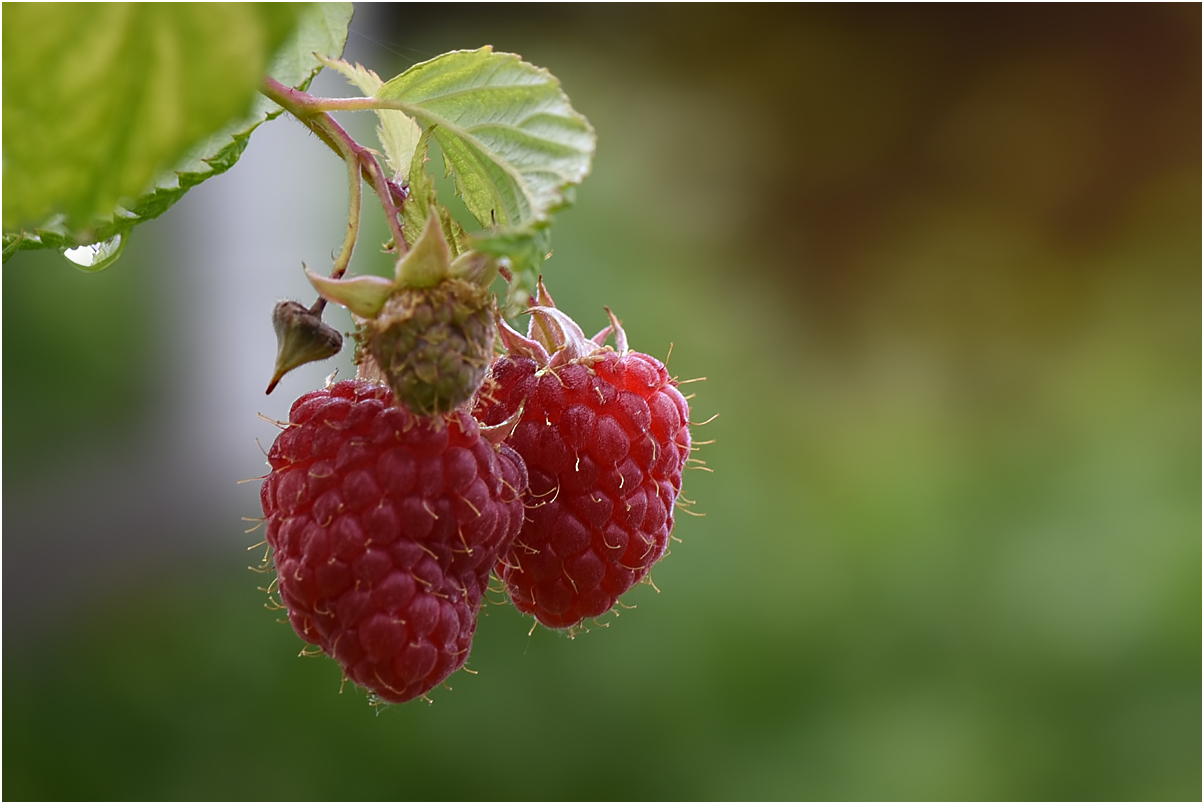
<point>940,266</point>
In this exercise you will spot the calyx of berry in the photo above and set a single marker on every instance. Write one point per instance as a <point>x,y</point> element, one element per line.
<point>430,329</point>
<point>554,339</point>
<point>425,265</point>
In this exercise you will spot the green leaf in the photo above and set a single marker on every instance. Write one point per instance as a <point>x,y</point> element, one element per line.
<point>423,196</point>
<point>97,98</point>
<point>512,140</point>
<point>524,253</point>
<point>507,130</point>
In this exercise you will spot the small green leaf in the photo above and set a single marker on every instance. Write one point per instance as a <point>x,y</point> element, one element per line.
<point>506,128</point>
<point>98,98</point>
<point>524,253</point>
<point>511,138</point>
<point>416,210</point>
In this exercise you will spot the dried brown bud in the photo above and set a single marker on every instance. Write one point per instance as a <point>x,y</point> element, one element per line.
<point>301,337</point>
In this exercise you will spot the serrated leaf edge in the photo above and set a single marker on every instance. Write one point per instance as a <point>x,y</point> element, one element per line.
<point>559,197</point>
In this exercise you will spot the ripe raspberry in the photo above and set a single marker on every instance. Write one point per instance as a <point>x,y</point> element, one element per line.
<point>605,437</point>
<point>385,527</point>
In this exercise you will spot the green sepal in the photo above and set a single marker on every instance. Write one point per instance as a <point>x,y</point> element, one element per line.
<point>362,295</point>
<point>426,264</point>
<point>476,267</point>
<point>428,261</point>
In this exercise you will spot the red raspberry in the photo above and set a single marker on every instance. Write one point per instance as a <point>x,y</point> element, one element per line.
<point>385,527</point>
<point>605,437</point>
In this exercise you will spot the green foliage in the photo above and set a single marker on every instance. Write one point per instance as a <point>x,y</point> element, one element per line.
<point>422,197</point>
<point>84,136</point>
<point>506,129</point>
<point>96,102</point>
<point>525,251</point>
<point>512,140</point>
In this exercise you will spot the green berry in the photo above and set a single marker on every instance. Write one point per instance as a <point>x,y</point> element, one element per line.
<point>433,345</point>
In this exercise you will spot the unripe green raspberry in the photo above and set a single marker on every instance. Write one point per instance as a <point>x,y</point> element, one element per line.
<point>427,333</point>
<point>433,345</point>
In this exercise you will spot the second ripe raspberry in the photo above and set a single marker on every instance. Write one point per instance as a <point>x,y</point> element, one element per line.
<point>605,436</point>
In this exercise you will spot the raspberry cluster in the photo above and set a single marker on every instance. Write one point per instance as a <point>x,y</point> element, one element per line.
<point>559,473</point>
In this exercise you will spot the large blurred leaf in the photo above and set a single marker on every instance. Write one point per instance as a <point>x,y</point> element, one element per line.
<point>509,135</point>
<point>98,98</point>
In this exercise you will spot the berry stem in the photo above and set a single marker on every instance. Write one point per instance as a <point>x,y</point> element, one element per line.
<point>354,192</point>
<point>311,112</point>
<point>385,194</point>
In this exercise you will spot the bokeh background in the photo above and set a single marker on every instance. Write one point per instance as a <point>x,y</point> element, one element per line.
<point>940,266</point>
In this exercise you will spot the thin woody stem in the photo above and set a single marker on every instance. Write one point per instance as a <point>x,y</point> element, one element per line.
<point>307,109</point>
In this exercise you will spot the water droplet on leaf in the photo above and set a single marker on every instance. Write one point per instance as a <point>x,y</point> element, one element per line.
<point>97,256</point>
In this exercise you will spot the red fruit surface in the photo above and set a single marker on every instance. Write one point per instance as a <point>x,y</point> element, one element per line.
<point>605,440</point>
<point>385,527</point>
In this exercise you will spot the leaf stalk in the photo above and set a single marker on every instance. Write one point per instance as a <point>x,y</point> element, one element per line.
<point>311,112</point>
